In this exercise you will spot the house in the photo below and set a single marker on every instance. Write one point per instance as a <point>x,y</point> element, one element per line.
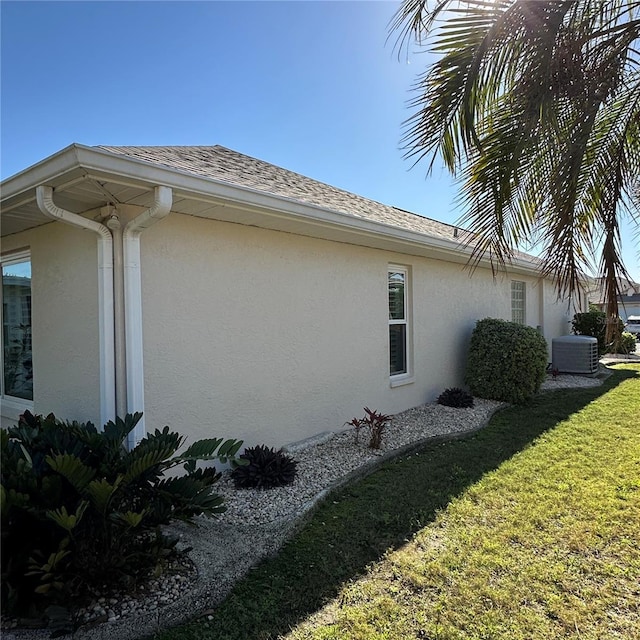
<point>628,300</point>
<point>222,295</point>
<point>629,306</point>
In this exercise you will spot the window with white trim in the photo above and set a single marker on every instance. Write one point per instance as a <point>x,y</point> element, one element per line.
<point>398,320</point>
<point>17,363</point>
<point>518,302</point>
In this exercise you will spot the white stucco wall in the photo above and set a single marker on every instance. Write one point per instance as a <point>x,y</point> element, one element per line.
<point>64,290</point>
<point>557,314</point>
<point>261,335</point>
<point>273,337</point>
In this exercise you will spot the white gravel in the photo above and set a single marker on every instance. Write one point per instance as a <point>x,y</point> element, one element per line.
<point>324,461</point>
<point>567,381</point>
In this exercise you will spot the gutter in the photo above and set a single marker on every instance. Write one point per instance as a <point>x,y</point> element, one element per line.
<point>44,197</point>
<point>43,172</point>
<point>103,166</point>
<point>163,198</point>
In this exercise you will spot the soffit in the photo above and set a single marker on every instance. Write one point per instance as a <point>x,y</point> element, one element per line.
<point>85,179</point>
<point>85,195</point>
<point>89,193</point>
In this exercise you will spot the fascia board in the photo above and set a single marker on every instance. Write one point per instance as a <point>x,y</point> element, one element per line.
<point>104,165</point>
<point>43,172</point>
<point>187,184</point>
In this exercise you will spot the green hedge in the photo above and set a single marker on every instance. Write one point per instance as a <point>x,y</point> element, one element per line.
<point>594,323</point>
<point>507,361</point>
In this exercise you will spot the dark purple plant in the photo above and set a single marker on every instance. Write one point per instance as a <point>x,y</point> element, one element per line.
<point>375,422</point>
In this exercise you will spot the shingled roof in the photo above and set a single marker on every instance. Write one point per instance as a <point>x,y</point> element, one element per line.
<point>225,165</point>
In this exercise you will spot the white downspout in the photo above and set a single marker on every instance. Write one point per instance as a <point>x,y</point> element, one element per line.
<point>118,299</point>
<point>44,197</point>
<point>133,305</point>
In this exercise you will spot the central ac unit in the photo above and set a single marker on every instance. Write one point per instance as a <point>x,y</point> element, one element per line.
<point>575,354</point>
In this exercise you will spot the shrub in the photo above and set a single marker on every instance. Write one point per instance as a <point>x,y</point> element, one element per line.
<point>594,323</point>
<point>79,510</point>
<point>626,343</point>
<point>375,422</point>
<point>507,361</point>
<point>456,397</point>
<point>264,468</point>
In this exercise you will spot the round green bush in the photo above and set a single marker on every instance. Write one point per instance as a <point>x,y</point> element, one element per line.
<point>507,361</point>
<point>626,343</point>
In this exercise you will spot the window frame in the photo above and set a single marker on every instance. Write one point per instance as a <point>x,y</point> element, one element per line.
<point>13,406</point>
<point>406,376</point>
<point>519,303</point>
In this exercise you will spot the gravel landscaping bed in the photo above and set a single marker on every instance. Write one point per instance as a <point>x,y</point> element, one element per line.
<point>567,381</point>
<point>109,605</point>
<point>321,463</point>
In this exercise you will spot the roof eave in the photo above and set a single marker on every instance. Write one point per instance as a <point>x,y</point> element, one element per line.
<point>65,166</point>
<point>44,172</point>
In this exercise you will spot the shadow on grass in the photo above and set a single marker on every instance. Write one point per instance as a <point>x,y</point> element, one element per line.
<point>358,524</point>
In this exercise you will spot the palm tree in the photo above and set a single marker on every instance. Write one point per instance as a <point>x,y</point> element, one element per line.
<point>535,106</point>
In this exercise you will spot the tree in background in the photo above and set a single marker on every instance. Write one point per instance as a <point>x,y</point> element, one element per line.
<point>535,106</point>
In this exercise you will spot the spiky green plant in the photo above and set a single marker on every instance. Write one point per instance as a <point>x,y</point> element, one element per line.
<point>78,509</point>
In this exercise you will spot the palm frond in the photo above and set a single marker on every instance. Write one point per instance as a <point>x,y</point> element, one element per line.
<point>534,105</point>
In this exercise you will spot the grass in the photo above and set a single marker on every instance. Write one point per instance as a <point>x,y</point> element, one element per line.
<point>527,530</point>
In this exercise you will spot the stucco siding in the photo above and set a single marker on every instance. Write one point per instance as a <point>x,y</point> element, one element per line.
<point>64,289</point>
<point>257,334</point>
<point>557,314</point>
<point>273,337</point>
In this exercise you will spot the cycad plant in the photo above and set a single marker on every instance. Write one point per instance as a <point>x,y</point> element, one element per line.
<point>79,510</point>
<point>535,105</point>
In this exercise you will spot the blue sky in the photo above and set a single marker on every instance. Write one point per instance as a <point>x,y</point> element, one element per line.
<point>309,86</point>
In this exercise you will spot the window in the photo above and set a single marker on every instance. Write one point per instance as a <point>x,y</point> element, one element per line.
<point>518,302</point>
<point>17,364</point>
<point>398,320</point>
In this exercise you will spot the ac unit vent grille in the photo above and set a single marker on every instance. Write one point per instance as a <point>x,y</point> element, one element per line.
<point>575,354</point>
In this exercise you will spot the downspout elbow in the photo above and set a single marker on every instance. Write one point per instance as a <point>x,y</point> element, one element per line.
<point>44,198</point>
<point>162,201</point>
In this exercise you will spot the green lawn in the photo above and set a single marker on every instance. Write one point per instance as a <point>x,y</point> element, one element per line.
<point>528,530</point>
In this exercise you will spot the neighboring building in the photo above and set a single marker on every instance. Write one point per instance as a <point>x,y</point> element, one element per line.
<point>225,296</point>
<point>628,301</point>
<point>629,306</point>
